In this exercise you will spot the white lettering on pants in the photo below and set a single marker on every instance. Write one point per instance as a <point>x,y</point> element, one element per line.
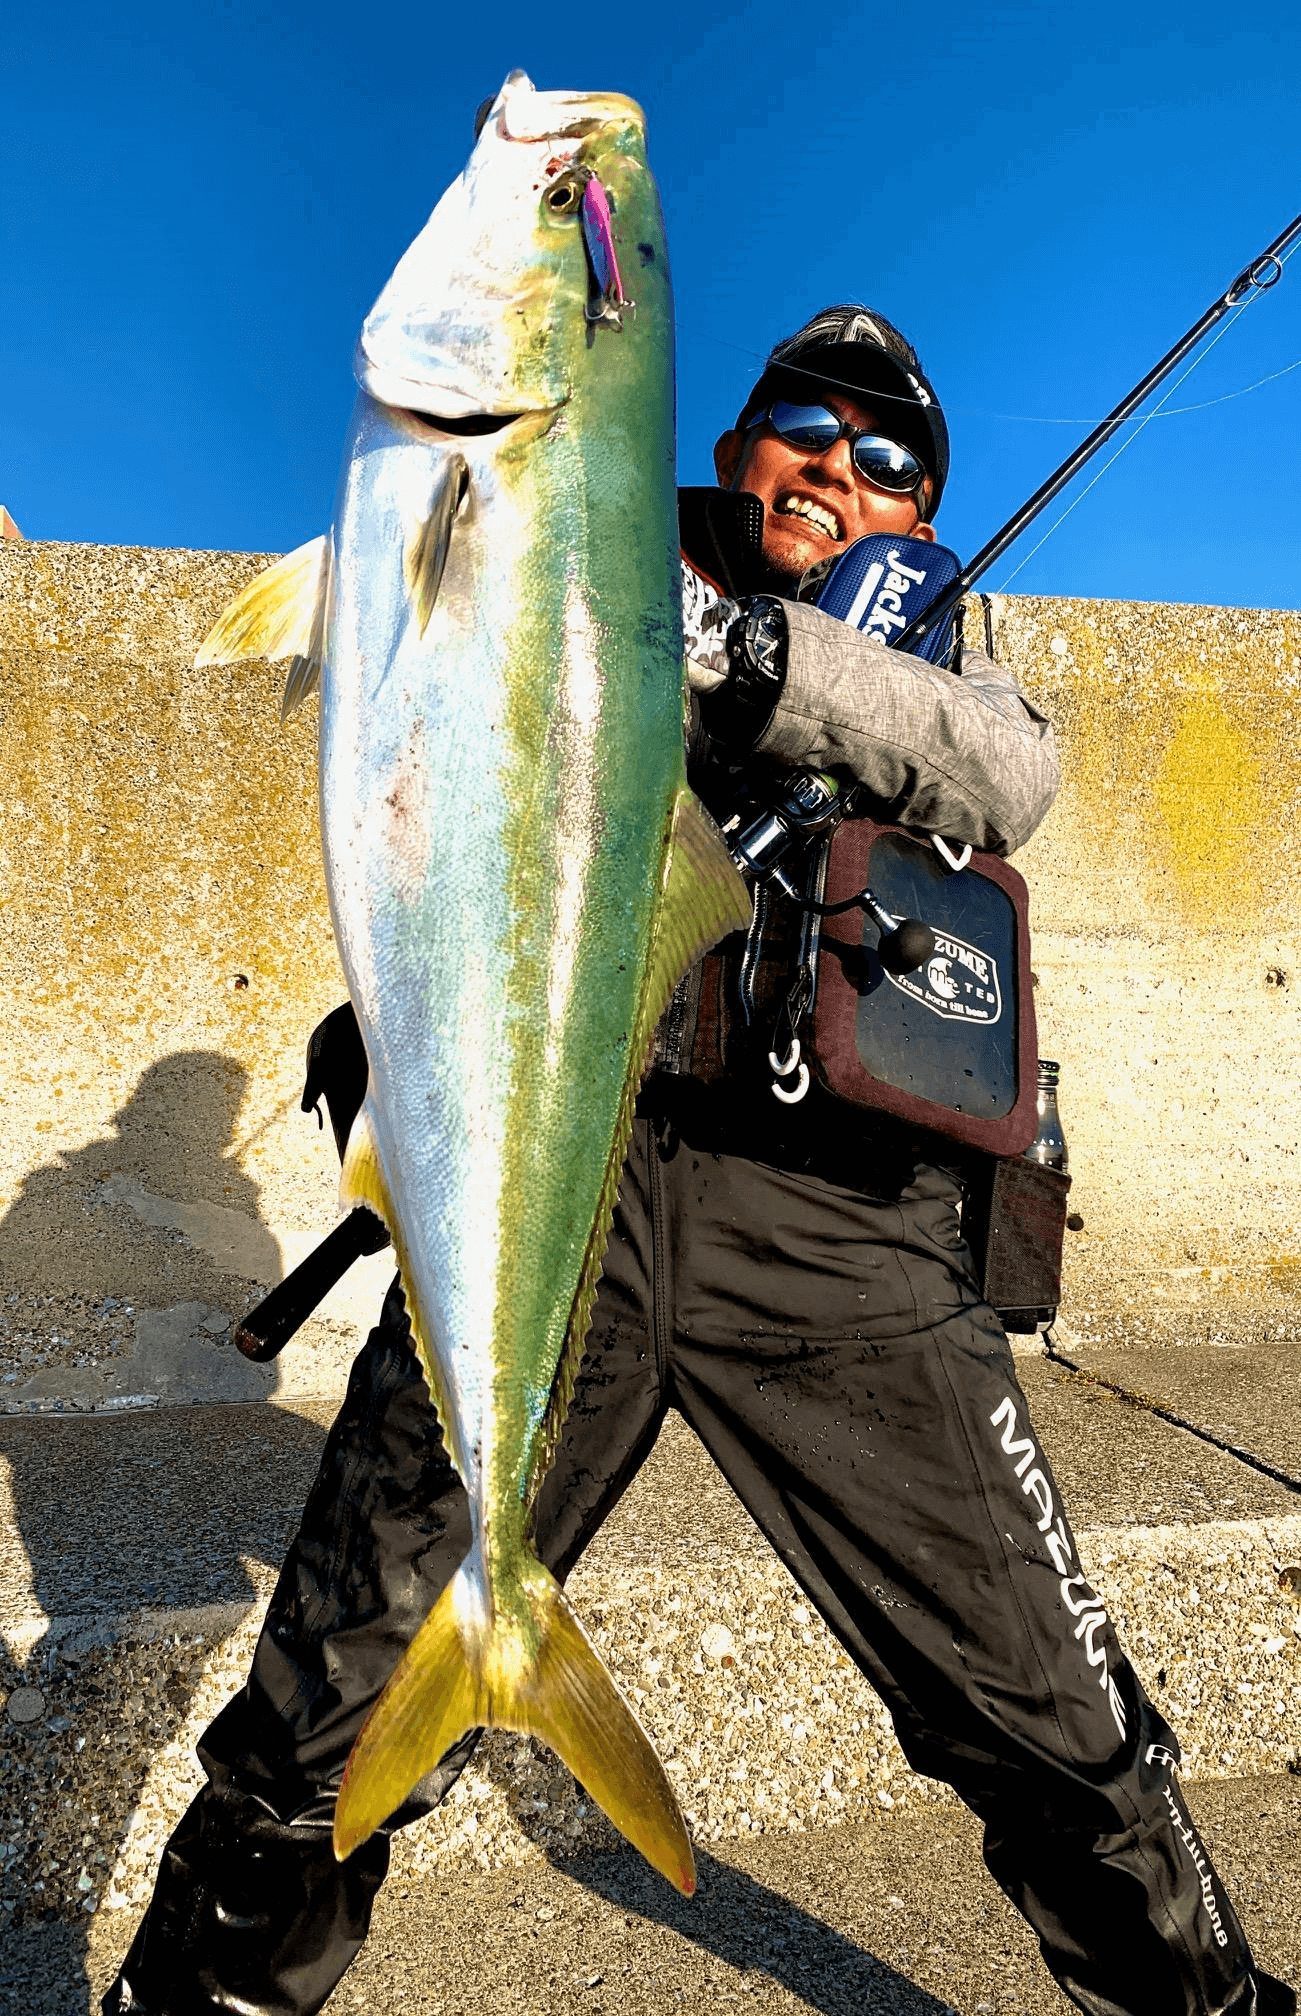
<point>1090,1611</point>
<point>1194,1847</point>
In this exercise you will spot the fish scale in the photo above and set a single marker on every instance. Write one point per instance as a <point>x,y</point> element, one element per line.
<point>518,874</point>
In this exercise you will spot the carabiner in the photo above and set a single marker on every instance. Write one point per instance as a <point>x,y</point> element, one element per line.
<point>782,1068</point>
<point>957,860</point>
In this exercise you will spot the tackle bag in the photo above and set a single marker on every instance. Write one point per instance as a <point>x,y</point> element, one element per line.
<point>952,1045</point>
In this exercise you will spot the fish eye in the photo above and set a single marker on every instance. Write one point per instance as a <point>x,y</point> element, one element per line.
<point>481,116</point>
<point>565,194</point>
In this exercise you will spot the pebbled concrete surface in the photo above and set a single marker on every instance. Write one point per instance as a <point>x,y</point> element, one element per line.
<point>763,1723</point>
<point>157,1508</point>
<point>894,1915</point>
<point>1248,1395</point>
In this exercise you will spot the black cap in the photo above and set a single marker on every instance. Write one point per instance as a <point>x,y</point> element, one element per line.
<point>853,347</point>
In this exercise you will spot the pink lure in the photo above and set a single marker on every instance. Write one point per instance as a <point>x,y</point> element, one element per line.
<point>598,236</point>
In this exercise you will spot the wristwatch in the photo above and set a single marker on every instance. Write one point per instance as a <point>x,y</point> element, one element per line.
<point>737,712</point>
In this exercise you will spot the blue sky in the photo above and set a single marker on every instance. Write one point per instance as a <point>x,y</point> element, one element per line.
<point>202,203</point>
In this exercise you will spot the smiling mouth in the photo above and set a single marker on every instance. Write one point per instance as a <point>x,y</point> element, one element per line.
<point>817,515</point>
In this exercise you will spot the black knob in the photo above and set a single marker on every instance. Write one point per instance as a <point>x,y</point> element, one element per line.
<point>907,947</point>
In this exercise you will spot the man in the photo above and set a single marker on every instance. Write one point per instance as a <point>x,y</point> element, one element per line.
<point>847,1377</point>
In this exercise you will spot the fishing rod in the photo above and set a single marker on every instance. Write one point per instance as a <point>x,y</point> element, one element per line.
<point>1264,271</point>
<point>868,587</point>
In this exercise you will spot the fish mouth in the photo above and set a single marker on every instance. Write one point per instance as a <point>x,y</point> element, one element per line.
<point>464,423</point>
<point>470,426</point>
<point>552,116</point>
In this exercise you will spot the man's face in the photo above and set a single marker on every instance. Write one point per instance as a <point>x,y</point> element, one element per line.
<point>815,505</point>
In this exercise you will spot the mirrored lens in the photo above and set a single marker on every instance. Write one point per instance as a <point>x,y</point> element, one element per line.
<point>804,426</point>
<point>886,464</point>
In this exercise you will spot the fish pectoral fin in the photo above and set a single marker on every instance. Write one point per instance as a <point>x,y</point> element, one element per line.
<point>427,548</point>
<point>281,614</point>
<point>704,896</point>
<point>430,1702</point>
<point>565,1696</point>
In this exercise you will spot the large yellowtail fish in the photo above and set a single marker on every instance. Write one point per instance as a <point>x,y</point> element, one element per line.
<point>517,870</point>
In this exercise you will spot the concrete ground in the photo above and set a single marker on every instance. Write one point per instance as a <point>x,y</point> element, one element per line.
<point>138,1545</point>
<point>894,1915</point>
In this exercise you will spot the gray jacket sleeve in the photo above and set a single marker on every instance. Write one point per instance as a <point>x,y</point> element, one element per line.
<point>969,758</point>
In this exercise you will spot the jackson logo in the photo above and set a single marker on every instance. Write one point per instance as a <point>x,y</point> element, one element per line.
<point>957,983</point>
<point>882,617</point>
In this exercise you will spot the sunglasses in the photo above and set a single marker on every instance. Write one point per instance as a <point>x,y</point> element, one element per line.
<point>886,464</point>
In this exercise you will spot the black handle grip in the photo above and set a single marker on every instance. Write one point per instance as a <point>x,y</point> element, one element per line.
<point>267,1329</point>
<point>907,947</point>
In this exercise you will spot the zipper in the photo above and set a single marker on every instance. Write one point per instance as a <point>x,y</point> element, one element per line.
<point>750,957</point>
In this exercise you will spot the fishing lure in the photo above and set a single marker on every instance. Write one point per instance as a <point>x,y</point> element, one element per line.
<point>608,300</point>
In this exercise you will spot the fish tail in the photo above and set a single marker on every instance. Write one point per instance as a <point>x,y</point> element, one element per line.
<point>575,1707</point>
<point>564,1695</point>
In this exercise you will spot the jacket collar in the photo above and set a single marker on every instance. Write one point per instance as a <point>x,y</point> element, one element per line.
<point>721,534</point>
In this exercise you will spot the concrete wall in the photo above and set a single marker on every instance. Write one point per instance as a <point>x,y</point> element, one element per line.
<point>1166,886</point>
<point>158,850</point>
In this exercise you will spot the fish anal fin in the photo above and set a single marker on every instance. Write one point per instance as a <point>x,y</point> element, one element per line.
<point>281,614</point>
<point>448,1683</point>
<point>426,552</point>
<point>361,1181</point>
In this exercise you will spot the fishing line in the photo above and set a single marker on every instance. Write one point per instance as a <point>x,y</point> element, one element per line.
<point>1222,398</point>
<point>1031,419</point>
<point>1261,275</point>
<point>1202,354</point>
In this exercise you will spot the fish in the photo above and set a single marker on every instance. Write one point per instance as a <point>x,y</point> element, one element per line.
<point>518,872</point>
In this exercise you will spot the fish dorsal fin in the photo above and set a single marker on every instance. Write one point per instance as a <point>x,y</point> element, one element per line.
<point>281,614</point>
<point>427,548</point>
<point>361,1181</point>
<point>702,898</point>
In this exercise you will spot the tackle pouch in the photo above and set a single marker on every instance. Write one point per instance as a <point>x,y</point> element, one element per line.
<point>1014,1221</point>
<point>950,1046</point>
<point>880,584</point>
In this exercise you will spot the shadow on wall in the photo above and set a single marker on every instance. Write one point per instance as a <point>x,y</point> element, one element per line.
<point>118,1507</point>
<point>67,1235</point>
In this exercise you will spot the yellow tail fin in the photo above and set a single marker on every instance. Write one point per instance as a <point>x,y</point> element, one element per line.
<point>566,1697</point>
